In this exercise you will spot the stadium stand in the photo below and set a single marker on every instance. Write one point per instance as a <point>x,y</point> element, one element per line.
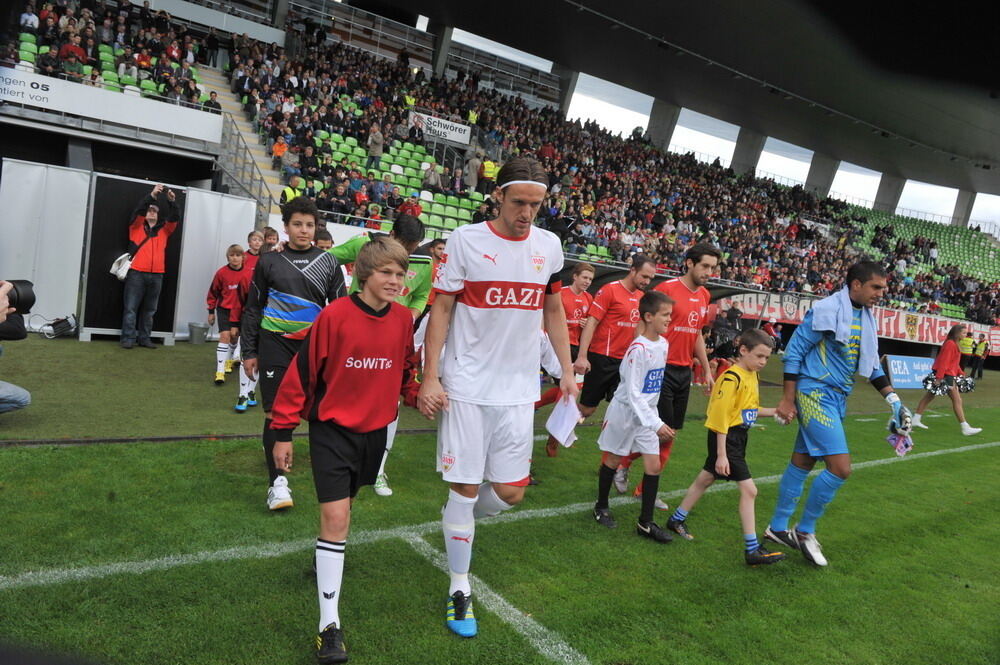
<point>137,51</point>
<point>611,196</point>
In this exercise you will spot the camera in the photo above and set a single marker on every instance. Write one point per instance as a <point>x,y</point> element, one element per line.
<point>22,296</point>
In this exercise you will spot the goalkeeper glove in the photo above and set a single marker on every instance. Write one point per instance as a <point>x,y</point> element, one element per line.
<point>902,420</point>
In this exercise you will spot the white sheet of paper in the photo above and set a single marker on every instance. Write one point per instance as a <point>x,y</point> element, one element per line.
<point>563,420</point>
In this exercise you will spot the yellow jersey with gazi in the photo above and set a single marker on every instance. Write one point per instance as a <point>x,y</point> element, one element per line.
<point>734,401</point>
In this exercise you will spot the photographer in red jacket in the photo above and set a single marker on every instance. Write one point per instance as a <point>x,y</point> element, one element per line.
<point>151,224</point>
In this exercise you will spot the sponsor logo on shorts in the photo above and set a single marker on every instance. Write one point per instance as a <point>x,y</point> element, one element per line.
<point>269,373</point>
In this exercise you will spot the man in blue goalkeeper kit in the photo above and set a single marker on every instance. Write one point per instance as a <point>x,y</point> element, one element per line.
<point>837,338</point>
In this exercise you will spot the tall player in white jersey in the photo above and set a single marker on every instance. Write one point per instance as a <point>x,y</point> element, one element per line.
<point>496,285</point>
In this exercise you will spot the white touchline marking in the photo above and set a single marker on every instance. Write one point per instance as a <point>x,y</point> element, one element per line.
<point>546,642</point>
<point>865,420</point>
<point>268,550</point>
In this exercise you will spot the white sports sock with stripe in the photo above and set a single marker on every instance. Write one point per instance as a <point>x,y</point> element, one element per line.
<point>244,383</point>
<point>329,576</point>
<point>459,528</point>
<point>221,352</point>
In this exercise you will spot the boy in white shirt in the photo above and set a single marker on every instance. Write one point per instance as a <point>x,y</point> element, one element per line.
<point>631,423</point>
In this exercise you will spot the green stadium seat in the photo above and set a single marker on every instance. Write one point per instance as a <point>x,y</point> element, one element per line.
<point>411,172</point>
<point>129,80</point>
<point>464,215</point>
<point>42,50</point>
<point>408,146</point>
<point>27,37</point>
<point>25,56</point>
<point>436,220</point>
<point>451,211</point>
<point>415,183</point>
<point>437,209</point>
<point>351,141</point>
<point>28,47</point>
<point>450,223</point>
<point>453,200</point>
<point>476,196</point>
<point>441,198</point>
<point>405,154</point>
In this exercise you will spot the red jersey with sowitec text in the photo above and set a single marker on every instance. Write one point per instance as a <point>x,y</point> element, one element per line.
<point>228,290</point>
<point>617,312</point>
<point>492,355</point>
<point>689,315</point>
<point>576,308</point>
<point>350,369</point>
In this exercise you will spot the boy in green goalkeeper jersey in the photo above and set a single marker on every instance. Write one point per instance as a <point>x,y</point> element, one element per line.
<point>409,231</point>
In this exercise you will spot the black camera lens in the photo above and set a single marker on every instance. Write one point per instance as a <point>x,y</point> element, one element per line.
<point>22,296</point>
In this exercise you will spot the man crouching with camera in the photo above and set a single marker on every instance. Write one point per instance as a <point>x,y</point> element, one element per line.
<point>12,397</point>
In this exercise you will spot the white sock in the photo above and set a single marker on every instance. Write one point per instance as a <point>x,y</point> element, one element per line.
<point>251,385</point>
<point>329,575</point>
<point>232,352</point>
<point>220,357</point>
<point>237,350</point>
<point>390,436</point>
<point>459,528</point>
<point>489,504</point>
<point>244,383</point>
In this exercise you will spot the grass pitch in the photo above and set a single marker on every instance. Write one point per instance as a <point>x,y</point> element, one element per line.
<point>164,552</point>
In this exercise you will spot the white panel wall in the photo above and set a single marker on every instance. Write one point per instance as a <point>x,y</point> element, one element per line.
<point>212,222</point>
<point>41,234</point>
<point>223,22</point>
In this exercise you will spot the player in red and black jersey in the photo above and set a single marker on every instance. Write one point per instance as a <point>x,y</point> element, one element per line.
<point>691,300</point>
<point>610,328</point>
<point>225,300</point>
<point>360,346</point>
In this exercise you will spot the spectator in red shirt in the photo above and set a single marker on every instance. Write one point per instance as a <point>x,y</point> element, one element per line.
<point>411,206</point>
<point>152,223</point>
<point>72,47</point>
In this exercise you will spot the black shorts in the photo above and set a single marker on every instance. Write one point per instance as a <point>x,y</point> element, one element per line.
<point>965,360</point>
<point>574,351</point>
<point>601,381</point>
<point>343,461</point>
<point>223,321</point>
<point>673,403</point>
<point>736,453</point>
<point>274,355</point>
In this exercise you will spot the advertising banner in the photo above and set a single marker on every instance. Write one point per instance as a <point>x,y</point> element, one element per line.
<point>892,323</point>
<point>54,94</point>
<point>439,128</point>
<point>908,371</point>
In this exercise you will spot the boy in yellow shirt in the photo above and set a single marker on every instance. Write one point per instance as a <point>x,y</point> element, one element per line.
<point>732,410</point>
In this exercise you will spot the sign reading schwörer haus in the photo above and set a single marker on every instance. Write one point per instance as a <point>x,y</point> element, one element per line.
<point>53,94</point>
<point>439,128</point>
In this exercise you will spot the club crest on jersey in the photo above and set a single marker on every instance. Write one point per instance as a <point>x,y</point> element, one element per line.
<point>538,261</point>
<point>447,461</point>
<point>694,318</point>
<point>410,274</point>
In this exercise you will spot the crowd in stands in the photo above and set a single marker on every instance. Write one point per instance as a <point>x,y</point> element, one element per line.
<point>118,46</point>
<point>924,290</point>
<point>610,196</point>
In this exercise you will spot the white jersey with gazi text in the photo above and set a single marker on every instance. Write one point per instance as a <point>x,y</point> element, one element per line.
<point>492,354</point>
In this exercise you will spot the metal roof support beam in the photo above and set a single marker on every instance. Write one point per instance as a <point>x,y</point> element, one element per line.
<point>662,122</point>
<point>822,170</point>
<point>749,145</point>
<point>963,207</point>
<point>890,188</point>
<point>567,85</point>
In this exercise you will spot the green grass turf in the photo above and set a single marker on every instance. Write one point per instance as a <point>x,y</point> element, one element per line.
<point>100,391</point>
<point>912,575</point>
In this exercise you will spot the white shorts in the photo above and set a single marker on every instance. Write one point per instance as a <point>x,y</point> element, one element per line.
<point>622,434</point>
<point>478,442</point>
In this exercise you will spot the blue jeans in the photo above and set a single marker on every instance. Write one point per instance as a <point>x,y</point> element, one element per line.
<point>142,293</point>
<point>13,397</point>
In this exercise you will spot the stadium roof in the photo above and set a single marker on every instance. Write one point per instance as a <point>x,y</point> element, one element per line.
<point>911,93</point>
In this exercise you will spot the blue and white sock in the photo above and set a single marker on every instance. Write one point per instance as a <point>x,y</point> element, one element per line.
<point>789,491</point>
<point>679,515</point>
<point>823,489</point>
<point>750,542</point>
<point>329,575</point>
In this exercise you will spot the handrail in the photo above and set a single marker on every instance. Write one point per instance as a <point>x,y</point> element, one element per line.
<point>246,167</point>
